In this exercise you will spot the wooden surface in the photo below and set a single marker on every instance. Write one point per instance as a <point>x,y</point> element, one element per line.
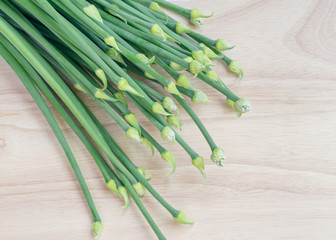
<point>279,182</point>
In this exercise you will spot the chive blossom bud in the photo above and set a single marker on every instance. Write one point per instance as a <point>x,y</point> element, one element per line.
<point>199,164</point>
<point>196,67</point>
<point>197,21</point>
<point>207,61</point>
<point>148,144</point>
<point>101,94</point>
<point>111,184</point>
<point>169,158</point>
<point>140,189</point>
<point>124,195</point>
<point>208,52</point>
<point>235,68</point>
<point>156,30</point>
<point>115,55</point>
<point>199,97</point>
<point>120,96</point>
<point>101,75</point>
<point>171,88</point>
<point>144,59</point>
<point>132,121</point>
<point>218,157</point>
<point>155,7</point>
<point>97,229</point>
<point>80,88</point>
<point>183,81</point>
<point>176,67</point>
<point>143,173</point>
<point>182,218</point>
<point>212,75</point>
<point>133,133</point>
<point>223,45</point>
<point>168,134</point>
<point>93,12</point>
<point>124,86</point>
<point>242,106</point>
<point>198,56</point>
<point>111,42</point>
<point>157,108</point>
<point>169,104</point>
<point>196,13</point>
<point>147,75</point>
<point>182,28</point>
<point>174,121</point>
<point>170,38</point>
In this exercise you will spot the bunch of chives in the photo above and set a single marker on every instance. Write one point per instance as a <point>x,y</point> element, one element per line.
<point>60,47</point>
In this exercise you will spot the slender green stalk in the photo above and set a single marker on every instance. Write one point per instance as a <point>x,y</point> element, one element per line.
<point>27,81</point>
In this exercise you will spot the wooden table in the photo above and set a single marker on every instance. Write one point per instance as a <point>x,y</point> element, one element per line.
<point>279,182</point>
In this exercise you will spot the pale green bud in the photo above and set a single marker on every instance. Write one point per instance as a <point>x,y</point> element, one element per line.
<point>174,121</point>
<point>155,7</point>
<point>208,52</point>
<point>171,88</point>
<point>242,106</point>
<point>198,56</point>
<point>223,45</point>
<point>158,108</point>
<point>111,184</point>
<point>110,41</point>
<point>168,134</point>
<point>199,97</point>
<point>120,96</point>
<point>183,81</point>
<point>218,157</point>
<point>212,75</point>
<point>207,61</point>
<point>196,67</point>
<point>124,195</point>
<point>148,144</point>
<point>168,157</point>
<point>101,75</point>
<point>97,229</point>
<point>196,13</point>
<point>156,30</point>
<point>199,164</point>
<point>188,59</point>
<point>143,173</point>
<point>170,38</point>
<point>147,75</point>
<point>124,86</point>
<point>182,218</point>
<point>176,67</point>
<point>133,133</point>
<point>235,68</point>
<point>140,189</point>
<point>169,104</point>
<point>132,121</point>
<point>144,59</point>
<point>101,94</point>
<point>80,88</point>
<point>196,21</point>
<point>182,28</point>
<point>115,55</point>
<point>93,12</point>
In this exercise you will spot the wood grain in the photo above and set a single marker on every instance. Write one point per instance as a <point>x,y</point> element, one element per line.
<point>279,182</point>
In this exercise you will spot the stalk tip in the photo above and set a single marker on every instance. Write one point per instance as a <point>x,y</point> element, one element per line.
<point>134,134</point>
<point>240,106</point>
<point>196,13</point>
<point>199,97</point>
<point>132,121</point>
<point>144,59</point>
<point>143,173</point>
<point>120,96</point>
<point>124,86</point>
<point>101,94</point>
<point>148,144</point>
<point>171,88</point>
<point>199,164</point>
<point>182,218</point>
<point>235,68</point>
<point>209,52</point>
<point>183,81</point>
<point>218,157</point>
<point>111,184</point>
<point>158,108</point>
<point>168,133</point>
<point>169,104</point>
<point>196,67</point>
<point>176,67</point>
<point>168,157</point>
<point>196,21</point>
<point>124,195</point>
<point>93,12</point>
<point>156,30</point>
<point>174,121</point>
<point>223,45</point>
<point>97,229</point>
<point>101,75</point>
<point>213,76</point>
<point>182,28</point>
<point>140,189</point>
<point>111,42</point>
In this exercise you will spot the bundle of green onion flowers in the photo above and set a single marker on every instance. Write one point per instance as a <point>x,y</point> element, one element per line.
<point>59,48</point>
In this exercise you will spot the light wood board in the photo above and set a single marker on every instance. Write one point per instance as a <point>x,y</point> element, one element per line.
<point>279,181</point>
